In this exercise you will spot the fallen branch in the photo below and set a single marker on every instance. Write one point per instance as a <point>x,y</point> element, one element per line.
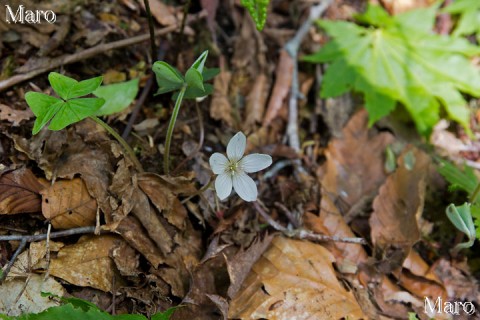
<point>53,63</point>
<point>302,233</point>
<point>292,47</point>
<point>24,239</point>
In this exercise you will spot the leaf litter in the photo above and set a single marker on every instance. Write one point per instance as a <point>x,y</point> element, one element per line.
<point>161,243</point>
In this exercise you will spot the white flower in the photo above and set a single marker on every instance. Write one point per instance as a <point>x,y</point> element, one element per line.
<point>233,171</point>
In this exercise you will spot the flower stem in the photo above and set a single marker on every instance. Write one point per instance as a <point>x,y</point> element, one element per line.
<point>124,144</point>
<point>171,126</point>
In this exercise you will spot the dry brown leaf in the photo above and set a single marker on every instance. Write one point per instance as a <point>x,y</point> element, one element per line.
<point>88,263</point>
<point>33,258</point>
<point>67,204</point>
<point>239,266</point>
<point>14,116</point>
<point>161,12</point>
<point>83,149</point>
<point>220,107</point>
<point>19,297</point>
<point>294,280</point>
<point>132,231</point>
<point>397,208</point>
<point>256,102</point>
<point>281,88</point>
<point>355,163</point>
<point>19,192</point>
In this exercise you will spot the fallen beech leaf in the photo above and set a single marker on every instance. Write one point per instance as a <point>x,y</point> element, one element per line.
<point>281,87</point>
<point>19,192</point>
<point>88,263</point>
<point>397,208</point>
<point>19,297</point>
<point>67,204</point>
<point>220,107</point>
<point>14,116</point>
<point>355,163</point>
<point>294,278</point>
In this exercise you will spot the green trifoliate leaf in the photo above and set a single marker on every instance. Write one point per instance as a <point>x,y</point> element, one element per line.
<point>193,93</point>
<point>257,10</point>
<point>461,217</point>
<point>199,64</point>
<point>68,88</point>
<point>43,107</point>
<point>168,77</point>
<point>117,96</point>
<point>209,73</point>
<point>194,79</point>
<point>400,62</point>
<point>75,110</point>
<point>60,113</point>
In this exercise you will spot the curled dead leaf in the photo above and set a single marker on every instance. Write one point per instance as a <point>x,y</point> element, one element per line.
<point>19,192</point>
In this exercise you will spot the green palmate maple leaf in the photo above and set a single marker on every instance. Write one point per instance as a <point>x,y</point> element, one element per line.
<point>469,17</point>
<point>400,59</point>
<point>67,110</point>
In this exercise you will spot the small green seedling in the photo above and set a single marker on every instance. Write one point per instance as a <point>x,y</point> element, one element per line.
<point>461,217</point>
<point>257,10</point>
<point>73,107</point>
<point>191,86</point>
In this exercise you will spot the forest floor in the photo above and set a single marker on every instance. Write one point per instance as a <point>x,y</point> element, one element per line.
<point>337,232</point>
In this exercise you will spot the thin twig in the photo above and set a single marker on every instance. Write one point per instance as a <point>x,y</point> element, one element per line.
<point>302,233</point>
<point>292,48</point>
<point>291,217</point>
<point>151,28</point>
<point>53,63</point>
<point>53,235</point>
<point>20,248</point>
<point>24,239</point>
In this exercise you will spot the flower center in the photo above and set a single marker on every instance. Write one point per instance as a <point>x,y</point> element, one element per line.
<point>232,167</point>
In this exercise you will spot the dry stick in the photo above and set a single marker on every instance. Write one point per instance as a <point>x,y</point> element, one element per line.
<point>292,47</point>
<point>88,53</point>
<point>20,248</point>
<point>151,28</point>
<point>31,238</point>
<point>304,234</point>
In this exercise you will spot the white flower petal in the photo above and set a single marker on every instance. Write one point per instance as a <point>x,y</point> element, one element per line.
<point>236,146</point>
<point>223,185</point>
<point>255,162</point>
<point>245,186</point>
<point>218,163</point>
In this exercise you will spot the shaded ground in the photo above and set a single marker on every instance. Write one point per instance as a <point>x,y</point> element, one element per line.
<point>163,243</point>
